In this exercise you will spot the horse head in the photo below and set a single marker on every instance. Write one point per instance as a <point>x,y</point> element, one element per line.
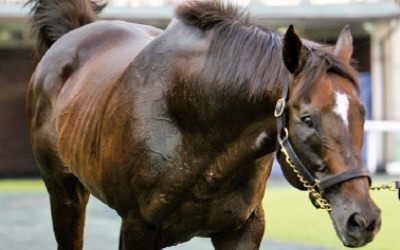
<point>320,127</point>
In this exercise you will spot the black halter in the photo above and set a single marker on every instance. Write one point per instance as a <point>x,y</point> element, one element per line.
<point>283,137</point>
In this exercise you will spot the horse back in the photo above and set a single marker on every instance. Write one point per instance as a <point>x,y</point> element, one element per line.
<point>104,43</point>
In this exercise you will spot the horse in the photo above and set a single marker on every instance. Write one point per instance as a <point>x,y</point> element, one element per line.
<point>177,129</point>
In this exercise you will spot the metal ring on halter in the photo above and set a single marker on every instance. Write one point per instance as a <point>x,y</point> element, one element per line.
<point>280,107</point>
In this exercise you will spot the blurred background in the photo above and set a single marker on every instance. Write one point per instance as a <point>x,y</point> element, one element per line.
<point>373,23</point>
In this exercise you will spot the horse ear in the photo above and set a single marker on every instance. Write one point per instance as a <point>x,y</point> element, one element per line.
<point>344,45</point>
<point>292,51</point>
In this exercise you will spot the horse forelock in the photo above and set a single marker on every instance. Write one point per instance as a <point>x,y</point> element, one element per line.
<point>320,59</point>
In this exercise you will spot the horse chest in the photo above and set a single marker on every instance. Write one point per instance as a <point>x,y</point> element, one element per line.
<point>202,217</point>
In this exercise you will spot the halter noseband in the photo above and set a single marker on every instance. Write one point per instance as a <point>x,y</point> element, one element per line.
<point>314,185</point>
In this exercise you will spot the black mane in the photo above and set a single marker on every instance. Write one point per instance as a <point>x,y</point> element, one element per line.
<point>247,57</point>
<point>206,15</point>
<point>244,54</point>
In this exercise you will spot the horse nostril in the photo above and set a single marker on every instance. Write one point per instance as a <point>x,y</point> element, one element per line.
<point>371,226</point>
<point>356,223</point>
<point>374,225</point>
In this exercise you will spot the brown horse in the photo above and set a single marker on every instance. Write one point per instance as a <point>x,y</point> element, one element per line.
<point>176,131</point>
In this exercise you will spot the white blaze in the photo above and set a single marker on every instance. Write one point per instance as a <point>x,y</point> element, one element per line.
<point>342,107</point>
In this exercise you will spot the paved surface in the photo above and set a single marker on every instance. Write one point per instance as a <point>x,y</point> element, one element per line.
<point>25,224</point>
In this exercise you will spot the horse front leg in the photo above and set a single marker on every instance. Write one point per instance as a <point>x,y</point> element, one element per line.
<point>68,199</point>
<point>248,237</point>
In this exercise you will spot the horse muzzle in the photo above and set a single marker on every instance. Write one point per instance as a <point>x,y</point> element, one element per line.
<point>357,228</point>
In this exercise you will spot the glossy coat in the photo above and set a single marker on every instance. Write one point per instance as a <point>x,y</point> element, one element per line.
<point>175,129</point>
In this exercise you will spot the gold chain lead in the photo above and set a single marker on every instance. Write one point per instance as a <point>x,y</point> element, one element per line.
<point>317,195</point>
<point>392,186</point>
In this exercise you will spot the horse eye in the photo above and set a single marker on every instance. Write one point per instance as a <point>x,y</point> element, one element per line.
<point>308,121</point>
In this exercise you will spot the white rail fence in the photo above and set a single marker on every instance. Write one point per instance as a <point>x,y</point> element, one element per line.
<point>374,130</point>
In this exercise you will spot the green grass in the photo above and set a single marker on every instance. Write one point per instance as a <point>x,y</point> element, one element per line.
<point>291,217</point>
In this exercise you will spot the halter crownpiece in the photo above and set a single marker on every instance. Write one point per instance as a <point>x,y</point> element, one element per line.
<point>315,186</point>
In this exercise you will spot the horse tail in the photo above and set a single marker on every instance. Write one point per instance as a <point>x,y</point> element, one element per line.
<point>51,19</point>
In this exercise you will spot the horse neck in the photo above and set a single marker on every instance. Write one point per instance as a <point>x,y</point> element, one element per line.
<point>207,102</point>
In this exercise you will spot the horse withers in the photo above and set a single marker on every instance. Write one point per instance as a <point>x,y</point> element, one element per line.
<point>176,131</point>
